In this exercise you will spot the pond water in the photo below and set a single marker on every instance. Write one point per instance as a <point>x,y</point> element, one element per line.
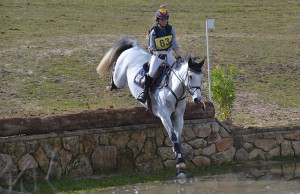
<point>261,177</point>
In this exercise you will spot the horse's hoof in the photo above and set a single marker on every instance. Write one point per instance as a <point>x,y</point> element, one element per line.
<point>181,165</point>
<point>181,176</point>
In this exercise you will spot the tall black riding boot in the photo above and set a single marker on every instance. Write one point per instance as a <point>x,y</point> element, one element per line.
<point>143,96</point>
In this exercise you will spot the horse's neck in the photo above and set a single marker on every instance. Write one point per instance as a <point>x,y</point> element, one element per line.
<point>178,78</point>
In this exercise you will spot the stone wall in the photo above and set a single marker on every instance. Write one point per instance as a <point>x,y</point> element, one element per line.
<point>137,148</point>
<point>267,143</point>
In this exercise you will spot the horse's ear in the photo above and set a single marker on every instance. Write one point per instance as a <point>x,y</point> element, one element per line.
<point>202,62</point>
<point>190,62</point>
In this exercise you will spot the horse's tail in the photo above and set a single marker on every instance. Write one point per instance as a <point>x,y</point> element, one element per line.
<point>113,54</point>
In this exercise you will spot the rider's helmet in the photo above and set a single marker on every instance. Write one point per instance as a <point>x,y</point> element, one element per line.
<point>162,13</point>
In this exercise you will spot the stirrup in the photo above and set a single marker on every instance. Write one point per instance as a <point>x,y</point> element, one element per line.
<point>142,97</point>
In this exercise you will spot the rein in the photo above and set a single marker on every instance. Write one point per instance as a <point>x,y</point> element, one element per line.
<point>185,88</point>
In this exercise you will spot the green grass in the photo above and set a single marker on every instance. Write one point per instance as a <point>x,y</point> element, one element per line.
<point>49,49</point>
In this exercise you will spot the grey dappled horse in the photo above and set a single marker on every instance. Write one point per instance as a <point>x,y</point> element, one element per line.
<point>168,103</point>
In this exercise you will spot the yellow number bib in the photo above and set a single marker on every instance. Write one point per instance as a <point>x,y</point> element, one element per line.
<point>163,43</point>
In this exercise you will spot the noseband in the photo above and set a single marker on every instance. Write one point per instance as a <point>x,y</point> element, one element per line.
<point>188,87</point>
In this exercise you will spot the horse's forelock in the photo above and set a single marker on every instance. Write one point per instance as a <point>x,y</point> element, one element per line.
<point>193,65</point>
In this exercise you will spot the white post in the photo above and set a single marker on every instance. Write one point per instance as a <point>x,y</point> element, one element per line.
<point>209,24</point>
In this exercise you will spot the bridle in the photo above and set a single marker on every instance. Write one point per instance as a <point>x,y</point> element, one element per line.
<point>186,87</point>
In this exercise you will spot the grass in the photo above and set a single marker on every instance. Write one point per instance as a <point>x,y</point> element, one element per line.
<point>49,49</point>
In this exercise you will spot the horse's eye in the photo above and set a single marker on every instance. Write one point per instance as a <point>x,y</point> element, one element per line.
<point>191,77</point>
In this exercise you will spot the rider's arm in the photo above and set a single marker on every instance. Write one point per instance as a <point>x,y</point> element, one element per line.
<point>151,43</point>
<point>175,47</point>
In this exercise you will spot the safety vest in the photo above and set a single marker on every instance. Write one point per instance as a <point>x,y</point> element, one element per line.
<point>163,38</point>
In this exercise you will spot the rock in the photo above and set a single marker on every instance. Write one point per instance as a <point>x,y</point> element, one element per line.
<point>224,133</point>
<point>89,144</point>
<point>215,127</point>
<point>104,159</point>
<point>137,142</point>
<point>257,154</point>
<point>197,152</point>
<point>159,137</point>
<point>224,144</point>
<point>125,162</point>
<point>266,144</point>
<point>168,142</point>
<point>166,153</point>
<point>169,164</point>
<point>103,139</point>
<point>71,144</point>
<point>32,146</point>
<point>27,162</point>
<point>271,135</point>
<point>16,150</point>
<point>151,133</point>
<point>220,158</point>
<point>230,152</point>
<point>55,170</point>
<point>242,155</point>
<point>213,138</point>
<point>187,151</point>
<point>80,167</point>
<point>201,161</point>
<point>272,153</point>
<point>209,150</point>
<point>249,138</point>
<point>286,148</point>
<point>120,139</point>
<point>198,143</point>
<point>188,134</point>
<point>51,146</point>
<point>296,146</point>
<point>65,158</point>
<point>292,135</point>
<point>8,169</point>
<point>202,130</point>
<point>279,138</point>
<point>148,160</point>
<point>248,146</point>
<point>42,159</point>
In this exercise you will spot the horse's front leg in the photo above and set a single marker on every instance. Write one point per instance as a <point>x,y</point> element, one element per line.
<point>174,128</point>
<point>178,127</point>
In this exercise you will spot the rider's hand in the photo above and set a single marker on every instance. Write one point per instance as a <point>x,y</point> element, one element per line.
<point>179,59</point>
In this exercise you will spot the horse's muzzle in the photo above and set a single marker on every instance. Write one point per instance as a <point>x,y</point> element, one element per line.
<point>197,100</point>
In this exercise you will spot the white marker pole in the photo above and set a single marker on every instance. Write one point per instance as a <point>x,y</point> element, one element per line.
<point>209,24</point>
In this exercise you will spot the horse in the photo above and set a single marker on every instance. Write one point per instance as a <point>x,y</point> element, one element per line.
<point>168,103</point>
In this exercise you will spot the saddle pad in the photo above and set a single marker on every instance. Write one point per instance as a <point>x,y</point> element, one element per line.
<point>140,78</point>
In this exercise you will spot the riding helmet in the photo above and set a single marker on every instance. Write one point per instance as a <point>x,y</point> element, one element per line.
<point>162,13</point>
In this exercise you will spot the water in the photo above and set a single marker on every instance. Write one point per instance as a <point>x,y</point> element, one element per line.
<point>261,177</point>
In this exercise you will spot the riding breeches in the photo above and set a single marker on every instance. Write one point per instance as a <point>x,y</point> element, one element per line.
<point>157,60</point>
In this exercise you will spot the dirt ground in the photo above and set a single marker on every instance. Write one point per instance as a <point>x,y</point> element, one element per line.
<point>250,110</point>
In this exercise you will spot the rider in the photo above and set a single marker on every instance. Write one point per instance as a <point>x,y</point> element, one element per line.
<point>162,39</point>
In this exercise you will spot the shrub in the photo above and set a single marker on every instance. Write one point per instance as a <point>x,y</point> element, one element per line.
<point>222,88</point>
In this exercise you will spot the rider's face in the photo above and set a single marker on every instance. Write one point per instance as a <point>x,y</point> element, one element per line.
<point>163,22</point>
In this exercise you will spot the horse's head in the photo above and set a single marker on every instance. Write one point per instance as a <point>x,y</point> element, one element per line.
<point>194,79</point>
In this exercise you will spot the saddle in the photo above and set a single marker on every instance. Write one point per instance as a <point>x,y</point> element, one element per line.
<point>160,79</point>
